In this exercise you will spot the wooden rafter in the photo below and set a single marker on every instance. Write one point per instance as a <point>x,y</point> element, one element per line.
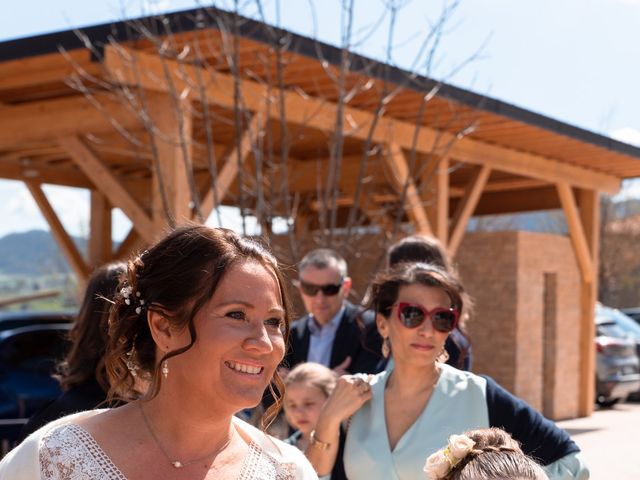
<point>65,242</point>
<point>229,171</point>
<point>466,207</point>
<point>107,183</point>
<point>319,114</point>
<point>576,232</point>
<point>397,163</point>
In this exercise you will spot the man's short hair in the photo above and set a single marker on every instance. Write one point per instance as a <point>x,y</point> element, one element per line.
<point>324,258</point>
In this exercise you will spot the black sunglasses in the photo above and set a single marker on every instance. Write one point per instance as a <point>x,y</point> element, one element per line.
<point>327,290</point>
<point>412,315</point>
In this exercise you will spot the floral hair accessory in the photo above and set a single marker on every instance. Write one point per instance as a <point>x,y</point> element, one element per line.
<point>440,463</point>
<point>129,294</point>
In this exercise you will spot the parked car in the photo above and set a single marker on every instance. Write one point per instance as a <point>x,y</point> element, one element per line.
<point>617,362</point>
<point>633,313</point>
<point>31,344</point>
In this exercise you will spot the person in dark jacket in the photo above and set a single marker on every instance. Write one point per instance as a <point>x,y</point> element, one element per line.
<point>82,374</point>
<point>334,333</point>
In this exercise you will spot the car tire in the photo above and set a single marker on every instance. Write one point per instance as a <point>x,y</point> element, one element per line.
<point>607,402</point>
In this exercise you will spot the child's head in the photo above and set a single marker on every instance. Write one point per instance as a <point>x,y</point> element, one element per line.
<point>307,387</point>
<point>487,454</point>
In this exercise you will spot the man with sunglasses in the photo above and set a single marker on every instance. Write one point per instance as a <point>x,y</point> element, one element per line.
<point>335,332</point>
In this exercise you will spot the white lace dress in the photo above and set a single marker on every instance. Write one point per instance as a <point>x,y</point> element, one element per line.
<point>67,451</point>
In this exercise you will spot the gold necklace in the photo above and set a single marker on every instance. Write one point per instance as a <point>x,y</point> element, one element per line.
<point>178,463</point>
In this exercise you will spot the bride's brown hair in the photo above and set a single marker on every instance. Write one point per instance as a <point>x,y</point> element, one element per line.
<point>176,277</point>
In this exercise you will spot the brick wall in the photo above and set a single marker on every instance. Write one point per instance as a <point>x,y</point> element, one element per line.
<point>526,288</point>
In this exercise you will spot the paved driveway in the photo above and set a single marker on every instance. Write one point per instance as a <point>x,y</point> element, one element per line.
<point>610,441</point>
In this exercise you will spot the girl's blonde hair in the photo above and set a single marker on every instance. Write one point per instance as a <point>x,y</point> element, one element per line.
<point>314,374</point>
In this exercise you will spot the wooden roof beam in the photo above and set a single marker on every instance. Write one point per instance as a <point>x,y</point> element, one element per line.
<point>108,184</point>
<point>50,119</point>
<point>504,185</point>
<point>50,175</point>
<point>320,114</point>
<point>530,200</point>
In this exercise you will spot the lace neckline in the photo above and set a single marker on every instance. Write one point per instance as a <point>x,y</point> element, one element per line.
<point>105,462</point>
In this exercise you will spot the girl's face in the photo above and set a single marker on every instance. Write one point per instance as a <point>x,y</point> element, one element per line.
<point>302,406</point>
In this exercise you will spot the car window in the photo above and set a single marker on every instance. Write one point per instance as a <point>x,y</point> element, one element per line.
<point>625,323</point>
<point>610,329</point>
<point>35,352</point>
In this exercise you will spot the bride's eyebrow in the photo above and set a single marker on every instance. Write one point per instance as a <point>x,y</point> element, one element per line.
<point>277,309</point>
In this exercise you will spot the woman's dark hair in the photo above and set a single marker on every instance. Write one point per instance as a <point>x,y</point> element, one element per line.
<point>176,277</point>
<point>418,248</point>
<point>426,249</point>
<point>386,285</point>
<point>495,456</point>
<point>88,336</point>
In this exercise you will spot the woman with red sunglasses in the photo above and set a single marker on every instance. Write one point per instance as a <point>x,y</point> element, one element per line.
<point>399,417</point>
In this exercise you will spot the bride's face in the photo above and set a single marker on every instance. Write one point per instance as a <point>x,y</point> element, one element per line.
<point>239,342</point>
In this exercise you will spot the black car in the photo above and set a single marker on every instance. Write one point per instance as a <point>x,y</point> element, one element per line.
<point>31,344</point>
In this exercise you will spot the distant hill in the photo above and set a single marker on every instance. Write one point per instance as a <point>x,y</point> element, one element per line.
<point>33,253</point>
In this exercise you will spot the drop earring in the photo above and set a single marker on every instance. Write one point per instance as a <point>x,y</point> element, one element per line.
<point>165,368</point>
<point>386,347</point>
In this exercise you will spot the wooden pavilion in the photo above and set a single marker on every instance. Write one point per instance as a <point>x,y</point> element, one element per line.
<point>512,160</point>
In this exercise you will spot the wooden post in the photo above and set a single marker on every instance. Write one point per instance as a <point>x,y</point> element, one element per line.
<point>589,204</point>
<point>466,207</point>
<point>99,230</point>
<point>171,199</point>
<point>437,189</point>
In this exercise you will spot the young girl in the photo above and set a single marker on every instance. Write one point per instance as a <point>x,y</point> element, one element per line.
<point>307,388</point>
<point>486,454</point>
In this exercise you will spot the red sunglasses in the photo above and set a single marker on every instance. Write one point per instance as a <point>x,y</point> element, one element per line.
<point>412,315</point>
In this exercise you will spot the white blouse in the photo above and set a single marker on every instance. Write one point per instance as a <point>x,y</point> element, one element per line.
<point>63,450</point>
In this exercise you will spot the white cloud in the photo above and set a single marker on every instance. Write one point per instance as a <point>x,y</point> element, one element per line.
<point>627,134</point>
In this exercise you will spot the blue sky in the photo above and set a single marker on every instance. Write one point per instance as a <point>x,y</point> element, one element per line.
<point>577,61</point>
